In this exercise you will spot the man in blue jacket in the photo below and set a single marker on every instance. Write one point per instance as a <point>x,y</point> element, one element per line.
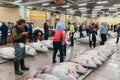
<point>4,30</point>
<point>103,32</point>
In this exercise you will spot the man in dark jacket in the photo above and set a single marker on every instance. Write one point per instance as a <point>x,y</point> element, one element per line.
<point>75,27</point>
<point>80,30</point>
<point>4,30</point>
<point>46,30</point>
<point>92,35</point>
<point>26,27</point>
<point>115,26</point>
<point>97,27</point>
<point>19,36</point>
<point>118,33</point>
<point>30,31</point>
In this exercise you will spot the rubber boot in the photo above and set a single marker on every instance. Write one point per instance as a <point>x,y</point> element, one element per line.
<point>23,65</point>
<point>117,40</point>
<point>16,66</point>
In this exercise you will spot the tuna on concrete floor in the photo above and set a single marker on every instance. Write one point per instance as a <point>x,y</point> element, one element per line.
<point>110,70</point>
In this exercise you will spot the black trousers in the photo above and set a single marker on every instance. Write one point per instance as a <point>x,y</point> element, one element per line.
<point>30,37</point>
<point>46,35</point>
<point>58,46</point>
<point>71,39</point>
<point>64,49</point>
<point>103,39</point>
<point>87,32</point>
<point>81,34</point>
<point>117,40</point>
<point>92,43</point>
<point>3,40</point>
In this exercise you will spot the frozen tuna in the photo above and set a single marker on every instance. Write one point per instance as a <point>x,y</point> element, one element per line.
<point>46,77</point>
<point>39,46</point>
<point>7,52</point>
<point>30,51</point>
<point>84,61</point>
<point>48,43</point>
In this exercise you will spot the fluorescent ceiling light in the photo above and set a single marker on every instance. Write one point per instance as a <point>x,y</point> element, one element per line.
<point>53,7</point>
<point>17,1</point>
<point>30,7</point>
<point>83,12</point>
<point>118,12</point>
<point>98,6</point>
<point>107,13</point>
<point>113,8</point>
<point>82,8</point>
<point>96,9</point>
<point>102,2</point>
<point>1,3</point>
<point>116,5</point>
<point>50,9</point>
<point>45,4</point>
<point>65,6</point>
<point>83,4</point>
<point>69,9</point>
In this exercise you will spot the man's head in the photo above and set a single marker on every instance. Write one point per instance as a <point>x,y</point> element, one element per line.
<point>93,24</point>
<point>39,33</point>
<point>69,24</point>
<point>81,24</point>
<point>104,23</point>
<point>119,24</point>
<point>21,23</point>
<point>8,23</point>
<point>60,26</point>
<point>47,22</point>
<point>57,20</point>
<point>28,22</point>
<point>3,23</point>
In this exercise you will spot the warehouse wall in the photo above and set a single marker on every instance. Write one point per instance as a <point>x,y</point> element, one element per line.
<point>76,19</point>
<point>73,19</point>
<point>9,14</point>
<point>87,21</point>
<point>62,17</point>
<point>48,15</point>
<point>37,17</point>
<point>110,20</point>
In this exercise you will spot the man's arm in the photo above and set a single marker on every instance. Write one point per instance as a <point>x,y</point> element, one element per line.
<point>15,35</point>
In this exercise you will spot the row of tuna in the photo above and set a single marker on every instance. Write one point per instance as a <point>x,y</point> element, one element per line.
<point>78,64</point>
<point>86,39</point>
<point>31,48</point>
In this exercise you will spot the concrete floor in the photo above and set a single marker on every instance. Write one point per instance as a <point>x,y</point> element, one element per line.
<point>110,70</point>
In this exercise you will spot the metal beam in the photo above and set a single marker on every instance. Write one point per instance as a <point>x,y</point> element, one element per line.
<point>38,1</point>
<point>12,3</point>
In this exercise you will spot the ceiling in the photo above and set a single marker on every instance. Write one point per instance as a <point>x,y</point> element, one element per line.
<point>89,10</point>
